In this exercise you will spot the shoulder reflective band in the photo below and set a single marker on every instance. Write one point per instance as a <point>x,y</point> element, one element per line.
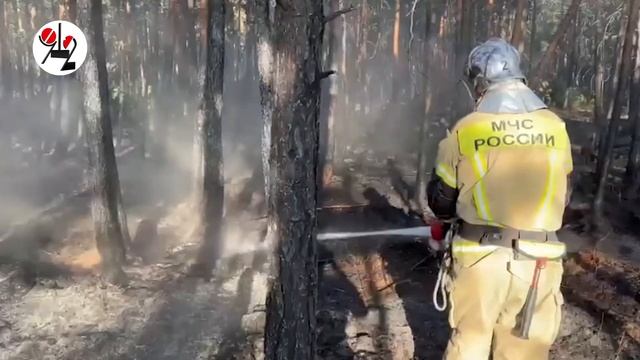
<point>492,132</point>
<point>542,250</point>
<point>446,173</point>
<point>545,206</point>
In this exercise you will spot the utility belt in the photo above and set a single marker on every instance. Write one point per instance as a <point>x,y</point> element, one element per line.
<point>526,244</point>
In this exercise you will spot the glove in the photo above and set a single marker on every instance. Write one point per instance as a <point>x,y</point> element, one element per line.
<point>438,235</point>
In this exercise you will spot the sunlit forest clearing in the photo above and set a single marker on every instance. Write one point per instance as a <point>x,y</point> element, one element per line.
<point>163,201</point>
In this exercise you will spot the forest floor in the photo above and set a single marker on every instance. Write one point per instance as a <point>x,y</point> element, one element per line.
<point>375,293</point>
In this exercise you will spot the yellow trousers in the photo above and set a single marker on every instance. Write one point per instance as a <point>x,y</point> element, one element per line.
<point>487,292</point>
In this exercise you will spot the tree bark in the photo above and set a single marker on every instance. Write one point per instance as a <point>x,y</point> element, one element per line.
<point>328,103</point>
<point>396,31</point>
<point>292,291</point>
<point>520,25</point>
<point>103,168</point>
<point>605,159</point>
<point>64,102</point>
<point>264,23</point>
<point>183,36</point>
<point>19,43</point>
<point>598,68</point>
<point>6,88</point>
<point>27,25</point>
<point>429,89</point>
<point>551,53</point>
<point>633,163</point>
<point>609,94</point>
<point>493,18</point>
<point>534,33</point>
<point>211,182</point>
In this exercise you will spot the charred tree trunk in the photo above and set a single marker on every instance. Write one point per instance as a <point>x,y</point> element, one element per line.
<point>6,88</point>
<point>421,176</point>
<point>183,35</point>
<point>328,111</point>
<point>211,183</point>
<point>534,33</point>
<point>154,79</point>
<point>605,159</point>
<point>493,18</point>
<point>598,68</point>
<point>28,29</point>
<point>551,53</point>
<point>520,25</point>
<point>292,292</point>
<point>264,16</point>
<point>64,105</point>
<point>633,163</point>
<point>609,94</point>
<point>104,171</point>
<point>19,55</point>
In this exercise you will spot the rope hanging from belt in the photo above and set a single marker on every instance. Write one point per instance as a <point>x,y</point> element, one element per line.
<point>440,292</point>
<point>440,300</point>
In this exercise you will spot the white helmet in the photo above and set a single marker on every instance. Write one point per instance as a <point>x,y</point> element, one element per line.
<point>494,61</point>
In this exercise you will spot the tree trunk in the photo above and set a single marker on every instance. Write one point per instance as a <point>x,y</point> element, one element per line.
<point>551,53</point>
<point>396,31</point>
<point>534,33</point>
<point>6,89</point>
<point>155,125</point>
<point>605,158</point>
<point>633,163</point>
<point>292,293</point>
<point>598,68</point>
<point>520,25</point>
<point>28,29</point>
<point>501,18</point>
<point>429,89</point>
<point>609,95</point>
<point>493,17</point>
<point>19,43</point>
<point>328,106</point>
<point>65,105</point>
<point>264,23</point>
<point>211,182</point>
<point>104,171</point>
<point>132,49</point>
<point>202,27</point>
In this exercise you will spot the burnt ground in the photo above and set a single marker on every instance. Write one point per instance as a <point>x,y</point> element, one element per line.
<point>386,316</point>
<point>376,293</point>
<point>374,297</point>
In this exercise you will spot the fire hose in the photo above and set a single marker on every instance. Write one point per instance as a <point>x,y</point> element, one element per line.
<point>439,240</point>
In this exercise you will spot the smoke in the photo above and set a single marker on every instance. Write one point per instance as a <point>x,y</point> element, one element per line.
<point>376,103</point>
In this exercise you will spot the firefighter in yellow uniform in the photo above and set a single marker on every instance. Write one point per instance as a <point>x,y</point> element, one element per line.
<point>503,174</point>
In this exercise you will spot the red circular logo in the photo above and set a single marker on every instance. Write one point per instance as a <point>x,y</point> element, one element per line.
<point>48,36</point>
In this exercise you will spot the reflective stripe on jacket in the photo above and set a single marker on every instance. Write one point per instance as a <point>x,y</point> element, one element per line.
<point>510,169</point>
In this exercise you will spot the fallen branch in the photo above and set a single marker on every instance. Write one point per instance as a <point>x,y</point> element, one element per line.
<point>9,276</point>
<point>342,207</point>
<point>394,283</point>
<point>339,13</point>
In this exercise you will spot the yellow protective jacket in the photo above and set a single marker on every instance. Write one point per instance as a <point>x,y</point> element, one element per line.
<point>510,170</point>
